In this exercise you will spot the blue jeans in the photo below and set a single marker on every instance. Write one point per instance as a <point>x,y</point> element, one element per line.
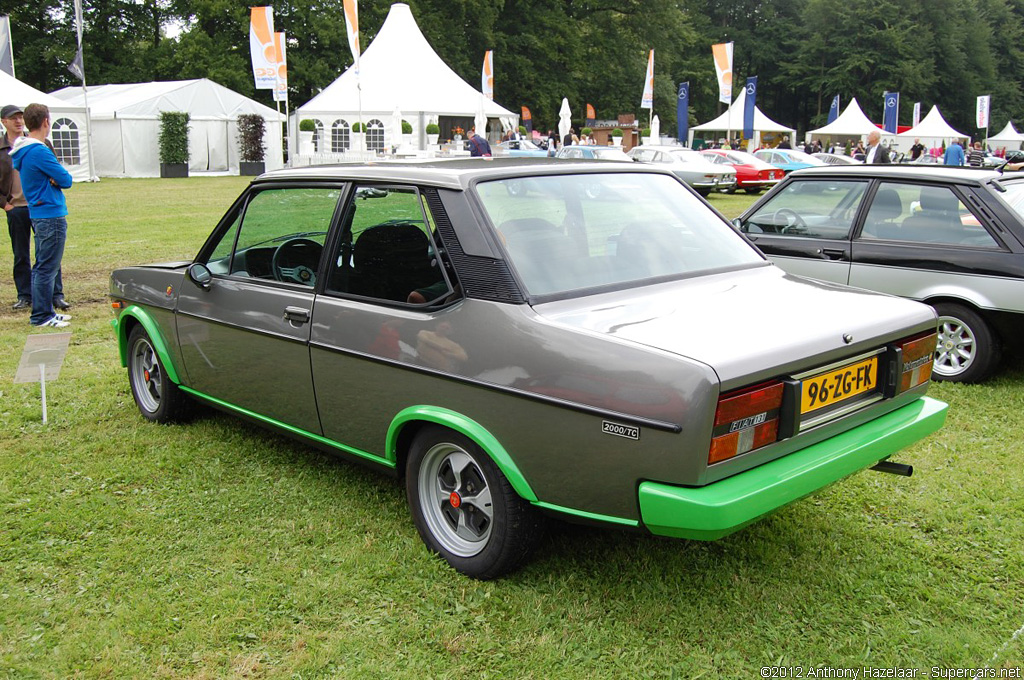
<point>19,226</point>
<point>51,232</point>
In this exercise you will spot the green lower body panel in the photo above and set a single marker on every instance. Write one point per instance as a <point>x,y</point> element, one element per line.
<point>718,509</point>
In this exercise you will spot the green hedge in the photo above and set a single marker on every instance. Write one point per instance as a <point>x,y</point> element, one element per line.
<point>174,137</point>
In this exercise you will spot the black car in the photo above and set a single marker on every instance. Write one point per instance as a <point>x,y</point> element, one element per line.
<point>950,237</point>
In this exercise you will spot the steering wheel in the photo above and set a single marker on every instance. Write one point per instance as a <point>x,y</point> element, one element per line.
<point>791,218</point>
<point>295,260</point>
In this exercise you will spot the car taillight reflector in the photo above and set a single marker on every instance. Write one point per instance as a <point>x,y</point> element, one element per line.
<point>916,358</point>
<point>745,420</point>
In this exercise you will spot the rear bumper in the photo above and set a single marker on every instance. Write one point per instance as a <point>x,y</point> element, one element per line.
<point>718,509</point>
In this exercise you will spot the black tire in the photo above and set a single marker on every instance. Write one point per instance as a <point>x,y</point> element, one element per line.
<point>447,476</point>
<point>754,191</point>
<point>967,349</point>
<point>156,395</point>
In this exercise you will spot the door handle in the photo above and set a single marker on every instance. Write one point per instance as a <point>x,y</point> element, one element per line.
<point>834,253</point>
<point>296,315</point>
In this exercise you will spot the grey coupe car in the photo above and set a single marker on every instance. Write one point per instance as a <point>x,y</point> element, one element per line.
<point>515,344</point>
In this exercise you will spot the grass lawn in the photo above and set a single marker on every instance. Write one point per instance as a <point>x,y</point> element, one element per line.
<point>218,550</point>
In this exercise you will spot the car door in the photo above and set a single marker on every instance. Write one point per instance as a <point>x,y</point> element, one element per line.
<point>245,339</point>
<point>805,228</point>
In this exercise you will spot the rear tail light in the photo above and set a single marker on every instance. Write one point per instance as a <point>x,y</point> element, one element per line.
<point>916,356</point>
<point>745,420</point>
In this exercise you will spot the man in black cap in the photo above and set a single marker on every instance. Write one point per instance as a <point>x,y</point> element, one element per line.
<point>19,224</point>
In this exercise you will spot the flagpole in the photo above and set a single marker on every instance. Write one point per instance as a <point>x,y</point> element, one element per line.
<point>85,90</point>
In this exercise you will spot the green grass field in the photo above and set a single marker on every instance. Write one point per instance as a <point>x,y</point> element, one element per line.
<point>216,549</point>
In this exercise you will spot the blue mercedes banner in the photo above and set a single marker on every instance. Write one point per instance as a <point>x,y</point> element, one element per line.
<point>833,111</point>
<point>891,114</point>
<point>683,113</point>
<point>748,107</point>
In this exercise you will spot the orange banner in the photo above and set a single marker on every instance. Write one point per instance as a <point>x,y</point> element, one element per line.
<point>722,52</point>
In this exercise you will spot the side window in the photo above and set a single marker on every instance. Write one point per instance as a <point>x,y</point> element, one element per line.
<point>810,208</point>
<point>278,236</point>
<point>387,250</point>
<point>923,214</point>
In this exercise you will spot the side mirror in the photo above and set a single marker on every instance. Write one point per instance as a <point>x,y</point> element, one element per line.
<point>200,274</point>
<point>737,224</point>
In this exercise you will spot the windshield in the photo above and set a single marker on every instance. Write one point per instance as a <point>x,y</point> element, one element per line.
<point>570,232</point>
<point>743,158</point>
<point>1014,196</point>
<point>611,154</point>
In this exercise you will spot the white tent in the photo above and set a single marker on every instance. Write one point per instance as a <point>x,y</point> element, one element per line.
<point>1008,137</point>
<point>399,69</point>
<point>732,121</point>
<point>933,128</point>
<point>126,125</point>
<point>850,123</point>
<point>68,121</point>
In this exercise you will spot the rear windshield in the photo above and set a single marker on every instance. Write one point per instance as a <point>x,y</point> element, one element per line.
<point>1014,196</point>
<point>570,232</point>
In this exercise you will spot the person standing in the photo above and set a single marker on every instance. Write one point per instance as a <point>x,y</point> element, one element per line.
<point>478,146</point>
<point>42,180</point>
<point>19,224</point>
<point>976,156</point>
<point>954,154</point>
<point>916,150</point>
<point>876,153</point>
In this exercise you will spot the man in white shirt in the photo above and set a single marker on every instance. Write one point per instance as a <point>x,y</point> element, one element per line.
<point>877,154</point>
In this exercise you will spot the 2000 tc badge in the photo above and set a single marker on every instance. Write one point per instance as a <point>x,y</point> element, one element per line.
<point>497,333</point>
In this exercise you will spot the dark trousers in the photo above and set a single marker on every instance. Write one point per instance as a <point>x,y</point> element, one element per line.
<point>19,226</point>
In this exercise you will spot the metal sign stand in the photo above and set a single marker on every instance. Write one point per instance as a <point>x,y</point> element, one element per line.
<point>41,360</point>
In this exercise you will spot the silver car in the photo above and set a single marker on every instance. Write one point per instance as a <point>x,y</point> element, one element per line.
<point>515,345</point>
<point>689,166</point>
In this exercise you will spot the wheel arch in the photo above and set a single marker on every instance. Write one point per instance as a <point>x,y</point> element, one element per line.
<point>133,316</point>
<point>409,421</point>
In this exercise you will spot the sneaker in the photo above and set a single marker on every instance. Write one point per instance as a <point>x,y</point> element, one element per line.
<point>61,304</point>
<point>22,303</point>
<point>52,322</point>
<point>62,317</point>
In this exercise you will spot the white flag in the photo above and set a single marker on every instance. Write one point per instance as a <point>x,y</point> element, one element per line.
<point>281,88</point>
<point>647,99</point>
<point>982,114</point>
<point>261,47</point>
<point>6,47</point>
<point>487,75</point>
<point>352,26</point>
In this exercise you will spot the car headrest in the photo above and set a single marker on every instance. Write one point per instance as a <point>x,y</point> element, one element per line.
<point>939,199</point>
<point>887,205</point>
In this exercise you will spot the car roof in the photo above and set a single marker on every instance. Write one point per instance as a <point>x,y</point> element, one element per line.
<point>925,172</point>
<point>455,173</point>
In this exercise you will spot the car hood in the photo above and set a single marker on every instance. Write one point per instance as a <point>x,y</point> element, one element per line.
<point>747,325</point>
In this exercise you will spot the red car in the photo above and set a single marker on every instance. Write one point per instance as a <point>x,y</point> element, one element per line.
<point>753,175</point>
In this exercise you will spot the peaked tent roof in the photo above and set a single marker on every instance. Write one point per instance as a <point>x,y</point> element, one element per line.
<point>400,69</point>
<point>1007,134</point>
<point>933,126</point>
<point>851,122</point>
<point>733,119</point>
<point>201,98</point>
<point>17,92</point>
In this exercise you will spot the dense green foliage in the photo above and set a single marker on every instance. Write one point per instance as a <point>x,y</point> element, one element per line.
<point>174,137</point>
<point>944,52</point>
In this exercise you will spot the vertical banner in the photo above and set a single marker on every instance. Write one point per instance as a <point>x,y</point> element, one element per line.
<point>527,119</point>
<point>891,111</point>
<point>917,113</point>
<point>487,75</point>
<point>591,116</point>
<point>352,27</point>
<point>647,100</point>
<point>683,113</point>
<point>6,46</point>
<point>77,65</point>
<point>833,111</point>
<point>981,116</point>
<point>722,52</point>
<point>748,107</point>
<point>261,47</point>
<point>281,88</point>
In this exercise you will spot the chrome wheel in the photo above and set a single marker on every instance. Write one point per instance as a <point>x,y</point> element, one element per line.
<point>455,499</point>
<point>147,375</point>
<point>956,347</point>
<point>967,350</point>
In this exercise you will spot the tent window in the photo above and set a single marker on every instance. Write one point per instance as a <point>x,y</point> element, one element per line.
<point>65,141</point>
<point>339,136</point>
<point>318,136</point>
<point>375,135</point>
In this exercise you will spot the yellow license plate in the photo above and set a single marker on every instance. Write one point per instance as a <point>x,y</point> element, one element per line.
<point>839,385</point>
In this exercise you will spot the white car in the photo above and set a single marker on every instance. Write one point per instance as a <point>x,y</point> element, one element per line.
<point>689,166</point>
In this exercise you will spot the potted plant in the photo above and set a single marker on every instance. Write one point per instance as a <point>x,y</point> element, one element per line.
<point>358,136</point>
<point>307,131</point>
<point>406,133</point>
<point>617,136</point>
<point>174,144</point>
<point>433,132</point>
<point>250,144</point>
<point>522,130</point>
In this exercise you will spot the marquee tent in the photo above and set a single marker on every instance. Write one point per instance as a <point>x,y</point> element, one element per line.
<point>1008,137</point>
<point>851,123</point>
<point>399,69</point>
<point>125,121</point>
<point>732,120</point>
<point>933,128</point>
<point>68,121</point>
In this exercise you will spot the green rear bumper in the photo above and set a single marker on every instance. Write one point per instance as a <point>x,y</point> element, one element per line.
<point>717,510</point>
